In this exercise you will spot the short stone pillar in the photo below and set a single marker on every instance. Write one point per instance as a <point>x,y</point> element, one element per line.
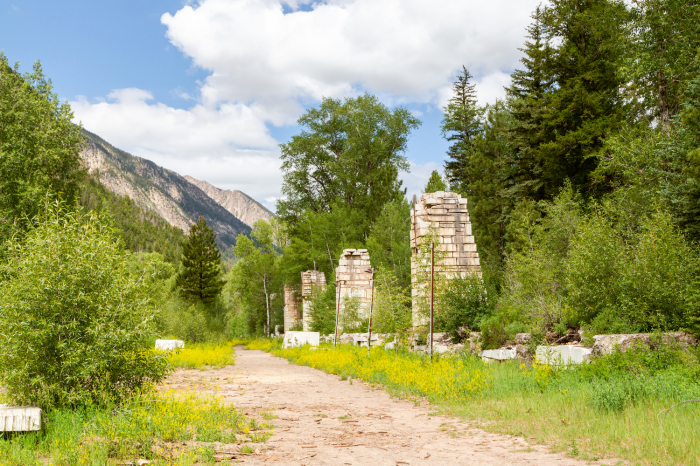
<point>355,280</point>
<point>312,281</point>
<point>292,307</point>
<point>447,213</point>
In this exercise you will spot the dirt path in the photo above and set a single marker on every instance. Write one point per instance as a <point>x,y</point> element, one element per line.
<point>325,421</point>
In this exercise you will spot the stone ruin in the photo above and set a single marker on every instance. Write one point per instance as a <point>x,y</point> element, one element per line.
<point>448,214</point>
<point>310,280</point>
<point>292,307</point>
<point>355,280</point>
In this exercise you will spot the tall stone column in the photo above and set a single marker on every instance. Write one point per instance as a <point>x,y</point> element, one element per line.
<point>355,280</point>
<point>448,214</point>
<point>292,308</point>
<point>310,280</point>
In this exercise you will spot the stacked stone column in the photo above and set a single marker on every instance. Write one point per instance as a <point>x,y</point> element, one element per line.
<point>312,281</point>
<point>447,213</point>
<point>354,280</point>
<point>292,308</point>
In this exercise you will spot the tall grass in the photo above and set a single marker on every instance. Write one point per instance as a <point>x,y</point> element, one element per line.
<point>203,356</point>
<point>606,409</point>
<point>151,426</point>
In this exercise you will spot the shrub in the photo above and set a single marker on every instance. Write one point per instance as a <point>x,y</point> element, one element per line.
<point>464,302</point>
<point>323,310</point>
<point>75,319</point>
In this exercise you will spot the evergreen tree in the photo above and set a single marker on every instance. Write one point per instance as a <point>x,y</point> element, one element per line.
<point>460,125</point>
<point>200,275</point>
<point>491,195</point>
<point>664,37</point>
<point>585,104</point>
<point>435,183</point>
<point>527,104</point>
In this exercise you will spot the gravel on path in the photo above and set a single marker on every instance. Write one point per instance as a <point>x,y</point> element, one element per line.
<point>322,420</point>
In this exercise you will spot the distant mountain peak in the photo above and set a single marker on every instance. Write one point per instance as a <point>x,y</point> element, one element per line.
<point>242,206</point>
<point>158,189</point>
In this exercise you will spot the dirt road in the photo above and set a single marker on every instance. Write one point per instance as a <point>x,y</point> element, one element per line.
<point>325,421</point>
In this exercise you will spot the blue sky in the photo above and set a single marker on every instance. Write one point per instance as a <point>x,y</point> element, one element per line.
<point>209,88</point>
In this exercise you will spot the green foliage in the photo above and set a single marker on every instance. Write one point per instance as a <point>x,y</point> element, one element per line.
<point>392,304</point>
<point>255,277</point>
<point>199,278</point>
<point>389,244</point>
<point>140,230</point>
<point>351,318</point>
<point>323,311</point>
<point>75,318</point>
<point>39,147</point>
<point>460,125</point>
<point>349,152</point>
<point>435,183</point>
<point>605,270</point>
<point>466,303</point>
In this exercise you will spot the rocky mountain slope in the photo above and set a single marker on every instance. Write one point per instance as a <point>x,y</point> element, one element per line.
<point>158,189</point>
<point>242,206</point>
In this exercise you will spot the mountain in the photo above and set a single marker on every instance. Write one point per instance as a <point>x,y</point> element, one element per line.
<point>158,189</point>
<point>242,206</point>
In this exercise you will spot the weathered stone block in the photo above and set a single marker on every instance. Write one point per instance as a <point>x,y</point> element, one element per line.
<point>501,354</point>
<point>564,354</point>
<point>605,344</point>
<point>19,418</point>
<point>292,339</point>
<point>169,345</point>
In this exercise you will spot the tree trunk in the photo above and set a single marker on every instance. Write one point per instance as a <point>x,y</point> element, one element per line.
<point>664,113</point>
<point>267,305</point>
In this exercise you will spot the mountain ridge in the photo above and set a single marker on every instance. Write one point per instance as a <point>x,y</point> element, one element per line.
<point>169,194</point>
<point>242,206</point>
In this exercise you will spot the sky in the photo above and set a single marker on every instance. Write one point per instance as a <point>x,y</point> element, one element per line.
<point>210,88</point>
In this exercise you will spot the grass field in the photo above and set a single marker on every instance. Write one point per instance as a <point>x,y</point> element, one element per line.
<point>153,426</point>
<point>203,356</point>
<point>611,408</point>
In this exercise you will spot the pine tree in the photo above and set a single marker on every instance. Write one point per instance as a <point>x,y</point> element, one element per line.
<point>200,276</point>
<point>435,183</point>
<point>460,125</point>
<point>585,104</point>
<point>527,105</point>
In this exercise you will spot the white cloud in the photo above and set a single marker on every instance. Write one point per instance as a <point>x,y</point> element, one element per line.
<point>418,176</point>
<point>266,64</point>
<point>408,48</point>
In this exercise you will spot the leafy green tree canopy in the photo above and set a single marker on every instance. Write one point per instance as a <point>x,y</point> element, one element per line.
<point>349,152</point>
<point>74,315</point>
<point>39,146</point>
<point>200,275</point>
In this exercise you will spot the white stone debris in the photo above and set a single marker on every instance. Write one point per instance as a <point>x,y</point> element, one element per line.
<point>169,345</point>
<point>499,355</point>
<point>292,339</point>
<point>563,354</point>
<point>19,418</point>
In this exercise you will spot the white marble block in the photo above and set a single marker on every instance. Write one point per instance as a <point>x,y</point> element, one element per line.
<point>169,345</point>
<point>564,354</point>
<point>292,339</point>
<point>19,418</point>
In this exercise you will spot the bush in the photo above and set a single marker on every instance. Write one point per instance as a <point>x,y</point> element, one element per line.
<point>464,302</point>
<point>75,318</point>
<point>323,310</point>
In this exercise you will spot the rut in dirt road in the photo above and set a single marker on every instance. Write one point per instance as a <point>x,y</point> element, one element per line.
<point>325,421</point>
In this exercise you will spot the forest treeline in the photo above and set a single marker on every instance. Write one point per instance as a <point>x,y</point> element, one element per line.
<point>582,187</point>
<point>582,183</point>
